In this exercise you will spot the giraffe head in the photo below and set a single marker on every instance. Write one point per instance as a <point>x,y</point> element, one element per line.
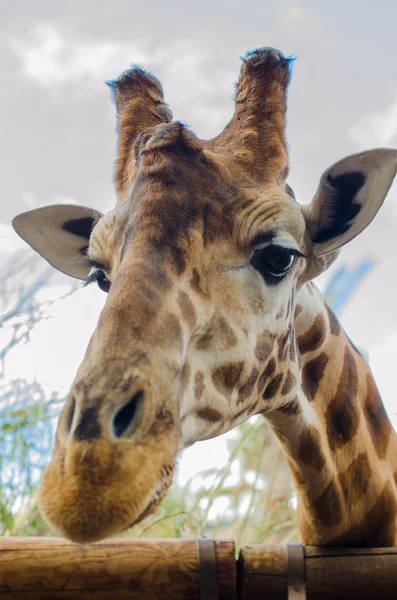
<point>202,259</point>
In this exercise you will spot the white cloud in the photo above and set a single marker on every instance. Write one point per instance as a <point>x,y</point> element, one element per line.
<point>50,58</point>
<point>196,73</point>
<point>378,128</point>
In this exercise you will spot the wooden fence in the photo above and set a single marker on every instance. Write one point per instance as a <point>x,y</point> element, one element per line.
<point>202,569</point>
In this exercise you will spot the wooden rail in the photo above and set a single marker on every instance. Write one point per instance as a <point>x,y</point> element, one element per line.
<point>135,569</point>
<point>329,573</point>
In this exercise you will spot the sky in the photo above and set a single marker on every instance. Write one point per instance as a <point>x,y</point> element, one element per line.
<point>57,124</point>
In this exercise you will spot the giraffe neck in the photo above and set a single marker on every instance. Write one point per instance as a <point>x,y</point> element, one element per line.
<point>337,438</point>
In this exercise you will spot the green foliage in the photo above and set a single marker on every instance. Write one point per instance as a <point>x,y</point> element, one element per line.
<point>26,435</point>
<point>26,415</point>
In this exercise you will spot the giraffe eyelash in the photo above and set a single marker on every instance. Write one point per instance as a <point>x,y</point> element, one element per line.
<point>97,270</point>
<point>98,276</point>
<point>93,277</point>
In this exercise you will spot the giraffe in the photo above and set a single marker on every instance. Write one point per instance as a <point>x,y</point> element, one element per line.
<point>212,316</point>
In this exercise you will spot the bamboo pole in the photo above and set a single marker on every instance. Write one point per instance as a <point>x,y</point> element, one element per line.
<point>330,573</point>
<point>118,569</point>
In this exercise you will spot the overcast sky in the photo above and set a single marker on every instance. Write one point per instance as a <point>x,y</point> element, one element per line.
<point>57,124</point>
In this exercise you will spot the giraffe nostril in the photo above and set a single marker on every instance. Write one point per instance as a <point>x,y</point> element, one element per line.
<point>126,415</point>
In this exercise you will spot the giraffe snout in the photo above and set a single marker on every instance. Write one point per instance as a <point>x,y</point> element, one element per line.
<point>113,459</point>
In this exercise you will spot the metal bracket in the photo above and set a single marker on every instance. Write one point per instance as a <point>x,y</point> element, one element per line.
<point>296,575</point>
<point>207,569</point>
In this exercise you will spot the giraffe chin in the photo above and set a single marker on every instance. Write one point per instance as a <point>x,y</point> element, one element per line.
<point>153,504</point>
<point>89,495</point>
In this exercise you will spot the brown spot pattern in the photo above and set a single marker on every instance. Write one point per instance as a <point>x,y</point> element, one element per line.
<point>173,329</point>
<point>199,385</point>
<point>328,507</point>
<point>252,408</point>
<point>209,414</point>
<point>219,332</point>
<point>292,407</point>
<point>273,387</point>
<point>264,346</point>
<point>342,416</point>
<point>314,337</point>
<point>378,422</point>
<point>289,383</point>
<point>333,321</point>
<point>225,334</point>
<point>226,377</point>
<point>268,372</point>
<point>355,479</point>
<point>205,341</point>
<point>298,310</point>
<point>246,390</point>
<point>187,309</point>
<point>377,527</point>
<point>283,346</point>
<point>310,451</point>
<point>312,374</point>
<point>185,376</point>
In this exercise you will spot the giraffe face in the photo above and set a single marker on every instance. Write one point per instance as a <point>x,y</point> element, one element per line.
<point>202,259</point>
<point>207,300</point>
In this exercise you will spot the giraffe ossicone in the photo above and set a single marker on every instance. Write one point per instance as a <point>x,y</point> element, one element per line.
<point>211,317</point>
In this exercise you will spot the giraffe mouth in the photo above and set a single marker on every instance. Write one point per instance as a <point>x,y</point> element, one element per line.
<point>154,501</point>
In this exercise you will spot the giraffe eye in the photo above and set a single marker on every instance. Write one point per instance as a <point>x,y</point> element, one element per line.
<point>98,276</point>
<point>273,262</point>
<point>103,282</point>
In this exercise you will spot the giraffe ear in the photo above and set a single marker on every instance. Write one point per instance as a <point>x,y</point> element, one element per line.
<point>61,234</point>
<point>348,197</point>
